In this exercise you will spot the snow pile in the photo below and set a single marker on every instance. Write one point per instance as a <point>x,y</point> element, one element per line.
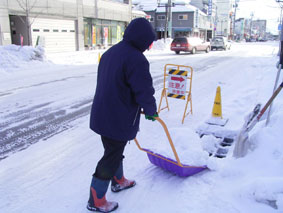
<point>210,143</point>
<point>188,147</point>
<point>13,56</point>
<point>161,45</point>
<point>267,143</point>
<point>268,191</point>
<point>260,172</point>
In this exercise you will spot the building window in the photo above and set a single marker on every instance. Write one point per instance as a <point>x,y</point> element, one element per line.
<point>151,19</point>
<point>63,31</point>
<point>72,31</point>
<point>35,30</point>
<point>161,17</point>
<point>55,31</point>
<point>183,17</point>
<point>46,30</point>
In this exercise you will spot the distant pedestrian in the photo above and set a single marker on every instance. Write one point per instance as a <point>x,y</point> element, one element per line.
<point>124,88</point>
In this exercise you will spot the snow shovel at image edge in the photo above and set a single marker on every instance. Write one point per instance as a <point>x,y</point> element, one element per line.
<point>242,143</point>
<point>169,164</point>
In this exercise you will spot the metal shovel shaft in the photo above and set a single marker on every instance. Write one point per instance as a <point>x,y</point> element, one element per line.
<point>241,146</point>
<point>270,101</point>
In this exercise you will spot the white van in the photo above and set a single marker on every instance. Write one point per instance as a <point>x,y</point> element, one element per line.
<point>220,42</point>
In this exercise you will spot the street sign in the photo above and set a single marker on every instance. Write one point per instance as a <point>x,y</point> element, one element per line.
<point>209,7</point>
<point>177,84</point>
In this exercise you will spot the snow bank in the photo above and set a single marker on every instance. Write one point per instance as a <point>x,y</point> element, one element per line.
<point>13,56</point>
<point>268,191</point>
<point>261,170</point>
<point>161,44</point>
<point>267,144</point>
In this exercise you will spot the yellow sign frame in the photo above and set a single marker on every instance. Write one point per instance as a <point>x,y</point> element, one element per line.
<point>164,93</point>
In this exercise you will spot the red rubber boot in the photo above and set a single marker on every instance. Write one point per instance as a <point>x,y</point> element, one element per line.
<point>119,182</point>
<point>97,201</point>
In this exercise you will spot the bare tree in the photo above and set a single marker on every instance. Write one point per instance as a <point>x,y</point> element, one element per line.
<point>27,7</point>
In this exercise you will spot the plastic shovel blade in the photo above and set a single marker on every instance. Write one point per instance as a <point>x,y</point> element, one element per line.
<point>172,165</point>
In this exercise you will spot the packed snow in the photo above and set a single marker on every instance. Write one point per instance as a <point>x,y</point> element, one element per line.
<point>54,174</point>
<point>13,56</point>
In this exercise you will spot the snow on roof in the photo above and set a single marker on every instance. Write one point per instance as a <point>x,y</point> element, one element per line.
<point>139,12</point>
<point>151,6</point>
<point>181,8</point>
<point>161,1</point>
<point>178,8</point>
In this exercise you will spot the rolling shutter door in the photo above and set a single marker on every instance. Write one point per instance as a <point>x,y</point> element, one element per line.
<point>57,35</point>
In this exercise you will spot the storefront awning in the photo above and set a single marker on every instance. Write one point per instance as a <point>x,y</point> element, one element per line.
<point>182,29</point>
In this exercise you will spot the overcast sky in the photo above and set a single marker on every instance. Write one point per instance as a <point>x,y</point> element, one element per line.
<point>262,9</point>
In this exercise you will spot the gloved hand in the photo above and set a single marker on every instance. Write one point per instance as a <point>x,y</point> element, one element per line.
<point>151,117</point>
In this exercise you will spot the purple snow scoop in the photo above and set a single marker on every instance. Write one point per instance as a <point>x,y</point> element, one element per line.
<point>168,164</point>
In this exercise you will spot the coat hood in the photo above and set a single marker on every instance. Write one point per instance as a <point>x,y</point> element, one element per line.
<point>140,33</point>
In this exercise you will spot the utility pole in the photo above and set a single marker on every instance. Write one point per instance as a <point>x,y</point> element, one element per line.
<point>168,16</point>
<point>251,24</point>
<point>166,22</point>
<point>221,27</point>
<point>215,21</point>
<point>234,18</point>
<point>169,19</point>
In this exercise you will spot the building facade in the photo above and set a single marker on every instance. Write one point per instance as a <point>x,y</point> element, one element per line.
<point>258,29</point>
<point>240,25</point>
<point>185,20</point>
<point>250,30</point>
<point>64,25</point>
<point>225,17</point>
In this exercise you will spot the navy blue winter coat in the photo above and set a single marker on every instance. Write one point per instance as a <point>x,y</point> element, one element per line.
<point>124,85</point>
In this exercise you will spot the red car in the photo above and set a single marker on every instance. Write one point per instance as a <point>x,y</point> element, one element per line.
<point>189,44</point>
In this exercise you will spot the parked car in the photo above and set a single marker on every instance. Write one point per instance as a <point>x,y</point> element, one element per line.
<point>220,42</point>
<point>189,44</point>
<point>262,39</point>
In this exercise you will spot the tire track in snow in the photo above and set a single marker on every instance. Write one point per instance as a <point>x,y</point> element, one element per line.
<point>25,127</point>
<point>11,91</point>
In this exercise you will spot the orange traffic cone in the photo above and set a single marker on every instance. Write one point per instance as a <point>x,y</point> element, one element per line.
<point>216,117</point>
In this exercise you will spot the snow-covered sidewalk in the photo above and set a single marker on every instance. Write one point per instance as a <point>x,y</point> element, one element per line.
<point>53,175</point>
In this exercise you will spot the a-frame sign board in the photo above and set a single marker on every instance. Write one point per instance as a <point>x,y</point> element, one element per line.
<point>177,84</point>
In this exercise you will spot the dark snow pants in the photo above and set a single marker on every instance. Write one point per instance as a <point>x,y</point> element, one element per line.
<point>113,155</point>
